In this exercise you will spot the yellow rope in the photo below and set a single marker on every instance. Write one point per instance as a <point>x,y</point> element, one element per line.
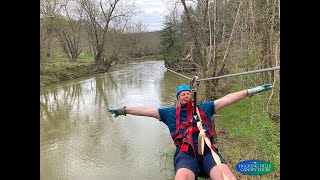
<point>203,138</point>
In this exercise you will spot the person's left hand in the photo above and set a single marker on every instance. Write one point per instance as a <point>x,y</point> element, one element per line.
<point>259,89</point>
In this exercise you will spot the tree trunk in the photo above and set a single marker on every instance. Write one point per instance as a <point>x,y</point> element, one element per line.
<point>267,50</point>
<point>251,24</point>
<point>224,60</point>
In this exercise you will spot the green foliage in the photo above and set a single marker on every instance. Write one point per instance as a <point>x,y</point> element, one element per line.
<point>184,25</point>
<point>170,43</point>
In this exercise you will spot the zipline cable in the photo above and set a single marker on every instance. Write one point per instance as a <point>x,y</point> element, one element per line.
<point>179,74</point>
<point>230,75</point>
<point>237,74</point>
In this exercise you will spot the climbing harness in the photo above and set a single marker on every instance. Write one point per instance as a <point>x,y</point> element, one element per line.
<point>185,139</point>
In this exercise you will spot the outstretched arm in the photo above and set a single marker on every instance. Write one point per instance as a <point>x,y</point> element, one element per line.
<point>229,99</point>
<point>143,111</point>
<point>138,111</point>
<point>237,96</point>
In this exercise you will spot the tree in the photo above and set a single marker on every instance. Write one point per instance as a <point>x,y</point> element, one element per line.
<point>48,10</point>
<point>68,30</point>
<point>170,45</point>
<point>99,18</point>
<point>268,10</point>
<point>207,66</point>
<point>134,34</point>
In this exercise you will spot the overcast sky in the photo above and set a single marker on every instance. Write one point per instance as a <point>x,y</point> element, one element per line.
<point>152,13</point>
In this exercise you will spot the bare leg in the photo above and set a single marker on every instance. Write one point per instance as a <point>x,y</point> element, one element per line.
<point>216,174</point>
<point>185,174</point>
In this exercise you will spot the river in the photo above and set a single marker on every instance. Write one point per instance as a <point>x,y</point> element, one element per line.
<point>79,139</point>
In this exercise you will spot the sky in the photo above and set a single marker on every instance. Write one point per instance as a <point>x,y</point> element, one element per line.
<point>152,13</point>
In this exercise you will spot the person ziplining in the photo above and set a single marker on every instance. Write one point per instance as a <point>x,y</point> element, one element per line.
<point>190,129</point>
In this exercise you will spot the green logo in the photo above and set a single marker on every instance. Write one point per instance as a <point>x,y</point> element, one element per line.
<point>254,167</point>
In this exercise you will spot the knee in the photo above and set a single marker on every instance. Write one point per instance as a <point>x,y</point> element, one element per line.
<point>184,174</point>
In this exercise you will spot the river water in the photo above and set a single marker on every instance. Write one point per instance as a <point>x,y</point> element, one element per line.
<point>79,139</point>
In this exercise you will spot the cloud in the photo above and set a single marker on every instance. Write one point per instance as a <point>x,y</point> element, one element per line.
<point>151,13</point>
<point>152,20</point>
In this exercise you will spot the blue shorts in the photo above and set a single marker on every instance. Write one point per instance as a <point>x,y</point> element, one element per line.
<point>201,166</point>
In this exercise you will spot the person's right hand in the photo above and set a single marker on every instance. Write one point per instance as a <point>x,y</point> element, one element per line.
<point>117,111</point>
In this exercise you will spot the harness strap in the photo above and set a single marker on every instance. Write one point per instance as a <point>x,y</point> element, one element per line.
<point>203,138</point>
<point>205,120</point>
<point>185,139</point>
<point>177,139</point>
<point>188,132</point>
<point>183,124</point>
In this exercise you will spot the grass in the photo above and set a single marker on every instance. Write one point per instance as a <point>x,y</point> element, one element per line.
<point>82,58</point>
<point>249,134</point>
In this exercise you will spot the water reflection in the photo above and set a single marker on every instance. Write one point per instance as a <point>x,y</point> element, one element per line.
<point>79,139</point>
